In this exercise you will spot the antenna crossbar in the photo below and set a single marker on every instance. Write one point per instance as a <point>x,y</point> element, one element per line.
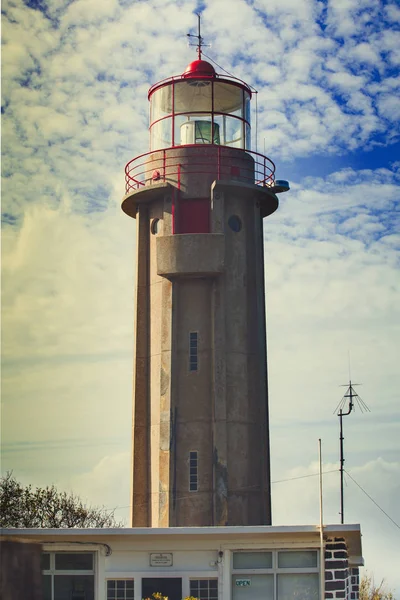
<point>200,44</point>
<point>352,396</point>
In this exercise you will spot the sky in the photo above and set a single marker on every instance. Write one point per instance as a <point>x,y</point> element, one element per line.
<point>75,76</point>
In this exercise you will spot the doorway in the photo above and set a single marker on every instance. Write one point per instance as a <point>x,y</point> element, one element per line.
<point>171,587</point>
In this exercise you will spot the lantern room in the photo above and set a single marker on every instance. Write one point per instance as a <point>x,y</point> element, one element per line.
<point>200,107</point>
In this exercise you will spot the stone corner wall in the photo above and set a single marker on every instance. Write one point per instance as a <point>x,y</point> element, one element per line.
<point>354,583</point>
<point>341,580</point>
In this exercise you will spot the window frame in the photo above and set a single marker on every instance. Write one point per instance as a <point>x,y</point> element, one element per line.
<point>53,572</point>
<point>125,579</point>
<point>274,570</point>
<point>208,579</point>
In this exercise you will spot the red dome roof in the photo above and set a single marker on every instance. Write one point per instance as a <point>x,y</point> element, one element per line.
<point>199,68</point>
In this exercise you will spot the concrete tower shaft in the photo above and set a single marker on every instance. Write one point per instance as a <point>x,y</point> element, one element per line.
<point>201,443</point>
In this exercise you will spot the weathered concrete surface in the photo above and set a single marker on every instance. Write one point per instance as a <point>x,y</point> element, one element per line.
<point>190,254</point>
<point>212,284</point>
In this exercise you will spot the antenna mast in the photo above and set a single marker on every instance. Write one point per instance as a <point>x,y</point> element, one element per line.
<point>200,43</point>
<point>351,394</point>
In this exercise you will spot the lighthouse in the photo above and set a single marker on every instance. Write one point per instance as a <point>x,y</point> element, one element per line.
<point>200,394</point>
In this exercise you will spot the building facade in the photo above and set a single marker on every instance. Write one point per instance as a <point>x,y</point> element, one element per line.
<point>200,415</point>
<point>210,563</point>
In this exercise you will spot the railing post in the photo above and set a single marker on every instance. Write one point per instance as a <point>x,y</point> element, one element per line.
<point>265,171</point>
<point>219,163</point>
<point>164,163</point>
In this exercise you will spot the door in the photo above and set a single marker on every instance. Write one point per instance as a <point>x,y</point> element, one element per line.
<point>171,587</point>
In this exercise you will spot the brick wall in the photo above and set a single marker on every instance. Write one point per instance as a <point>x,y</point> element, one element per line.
<point>354,583</point>
<point>340,581</point>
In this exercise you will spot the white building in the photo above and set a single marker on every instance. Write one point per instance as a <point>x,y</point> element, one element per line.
<point>209,563</point>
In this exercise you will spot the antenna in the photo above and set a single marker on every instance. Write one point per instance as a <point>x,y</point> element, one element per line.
<point>200,43</point>
<point>352,395</point>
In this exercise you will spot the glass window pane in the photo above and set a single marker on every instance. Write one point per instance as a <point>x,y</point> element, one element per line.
<point>247,106</point>
<point>46,582</point>
<point>75,561</point>
<point>192,96</point>
<point>301,586</point>
<point>74,587</point>
<point>299,559</point>
<point>161,103</point>
<point>161,134</point>
<point>253,587</point>
<point>248,137</point>
<point>45,562</point>
<point>252,560</point>
<point>232,132</point>
<point>228,98</point>
<point>195,129</point>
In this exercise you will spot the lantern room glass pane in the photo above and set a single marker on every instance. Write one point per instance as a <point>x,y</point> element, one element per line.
<point>247,106</point>
<point>161,134</point>
<point>196,129</point>
<point>248,136</point>
<point>230,131</point>
<point>161,103</point>
<point>193,96</point>
<point>228,99</point>
<point>234,130</point>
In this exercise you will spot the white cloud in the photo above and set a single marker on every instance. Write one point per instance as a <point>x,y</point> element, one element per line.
<point>389,107</point>
<point>393,12</point>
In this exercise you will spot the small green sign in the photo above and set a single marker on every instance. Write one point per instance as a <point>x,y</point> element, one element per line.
<point>243,582</point>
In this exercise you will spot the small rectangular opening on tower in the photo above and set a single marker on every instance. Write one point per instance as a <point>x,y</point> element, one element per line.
<point>193,471</point>
<point>193,351</point>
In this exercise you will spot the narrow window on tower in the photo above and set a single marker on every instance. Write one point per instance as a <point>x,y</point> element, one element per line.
<point>193,471</point>
<point>193,351</point>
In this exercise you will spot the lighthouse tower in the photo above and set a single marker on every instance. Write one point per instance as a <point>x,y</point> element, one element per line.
<point>200,410</point>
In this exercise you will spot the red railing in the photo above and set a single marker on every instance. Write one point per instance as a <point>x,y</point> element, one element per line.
<point>163,165</point>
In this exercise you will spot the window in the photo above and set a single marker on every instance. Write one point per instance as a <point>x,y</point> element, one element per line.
<point>252,560</point>
<point>235,223</point>
<point>120,589</point>
<point>204,589</point>
<point>275,575</point>
<point>155,226</point>
<point>68,575</point>
<point>193,348</point>
<point>193,474</point>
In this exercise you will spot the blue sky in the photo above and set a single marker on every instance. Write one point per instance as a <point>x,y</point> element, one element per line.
<point>74,111</point>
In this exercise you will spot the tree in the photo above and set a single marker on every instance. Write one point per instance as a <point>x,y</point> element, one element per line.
<point>47,508</point>
<point>370,591</point>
